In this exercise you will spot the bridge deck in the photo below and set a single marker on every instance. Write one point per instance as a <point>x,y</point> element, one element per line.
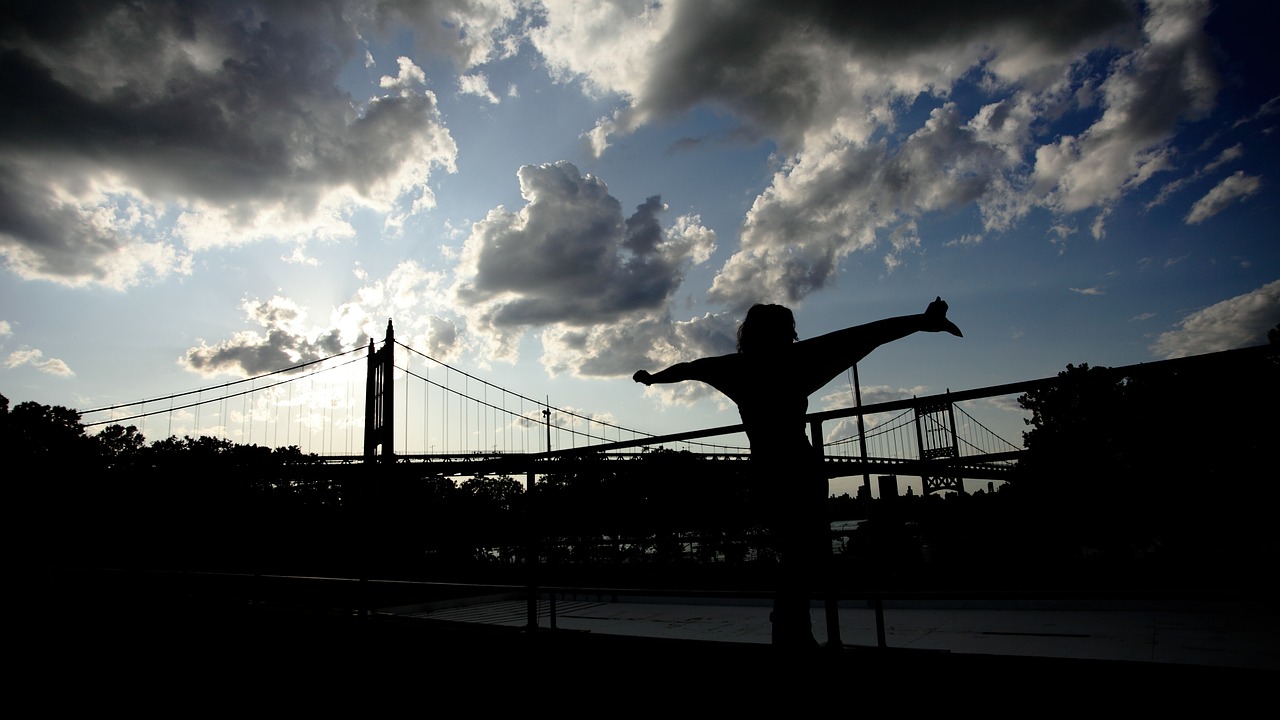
<point>992,466</point>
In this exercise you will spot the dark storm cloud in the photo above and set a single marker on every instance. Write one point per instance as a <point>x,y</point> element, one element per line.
<point>283,343</point>
<point>231,104</point>
<point>131,89</point>
<point>758,57</point>
<point>830,81</point>
<point>53,230</point>
<point>441,337</point>
<point>243,357</point>
<point>569,256</point>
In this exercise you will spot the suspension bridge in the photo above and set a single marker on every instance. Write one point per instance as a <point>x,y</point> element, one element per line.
<point>394,405</point>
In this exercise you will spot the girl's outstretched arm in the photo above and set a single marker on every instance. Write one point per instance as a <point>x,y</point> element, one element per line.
<point>725,373</point>
<point>826,356</point>
<point>675,373</point>
<point>679,372</point>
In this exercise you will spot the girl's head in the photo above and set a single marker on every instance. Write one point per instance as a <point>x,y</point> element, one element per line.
<point>766,327</point>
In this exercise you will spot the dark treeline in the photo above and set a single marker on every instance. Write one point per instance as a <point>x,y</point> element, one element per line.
<point>1150,479</point>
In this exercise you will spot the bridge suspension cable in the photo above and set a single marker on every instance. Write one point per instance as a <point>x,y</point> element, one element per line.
<point>199,391</point>
<point>587,436</point>
<point>988,434</point>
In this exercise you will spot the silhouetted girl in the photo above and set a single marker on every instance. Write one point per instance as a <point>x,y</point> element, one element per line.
<point>770,378</point>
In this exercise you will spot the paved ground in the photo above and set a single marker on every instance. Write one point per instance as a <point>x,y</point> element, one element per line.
<point>1237,635</point>
<point>103,648</point>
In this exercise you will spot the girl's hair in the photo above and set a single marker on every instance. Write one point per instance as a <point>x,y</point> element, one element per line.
<point>765,327</point>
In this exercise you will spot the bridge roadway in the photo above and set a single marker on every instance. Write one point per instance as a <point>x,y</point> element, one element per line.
<point>992,466</point>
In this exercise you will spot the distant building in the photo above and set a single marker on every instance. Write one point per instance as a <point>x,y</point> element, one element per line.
<point>888,486</point>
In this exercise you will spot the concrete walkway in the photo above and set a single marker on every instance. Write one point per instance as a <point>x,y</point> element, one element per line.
<point>1215,635</point>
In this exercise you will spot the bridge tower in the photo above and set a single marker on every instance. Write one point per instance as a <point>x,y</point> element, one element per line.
<point>936,438</point>
<point>379,402</point>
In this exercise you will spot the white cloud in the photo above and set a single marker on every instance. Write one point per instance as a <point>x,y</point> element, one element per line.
<point>36,359</point>
<point>477,84</point>
<point>1270,107</point>
<point>608,46</point>
<point>286,335</point>
<point>1240,321</point>
<point>871,395</point>
<point>471,31</point>
<point>1235,152</point>
<point>1168,78</point>
<point>847,428</point>
<point>968,239</point>
<point>1236,187</point>
<point>841,198</point>
<point>409,78</point>
<point>298,256</point>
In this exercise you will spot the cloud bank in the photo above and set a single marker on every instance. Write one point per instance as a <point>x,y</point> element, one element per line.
<point>136,134</point>
<point>829,83</point>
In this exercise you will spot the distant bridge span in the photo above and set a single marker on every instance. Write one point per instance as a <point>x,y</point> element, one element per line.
<point>931,437</point>
<point>938,461</point>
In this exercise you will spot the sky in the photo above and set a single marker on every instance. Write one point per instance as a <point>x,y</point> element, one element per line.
<point>551,195</point>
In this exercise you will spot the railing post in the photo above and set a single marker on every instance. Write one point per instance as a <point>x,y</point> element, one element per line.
<point>531,608</point>
<point>530,557</point>
<point>877,602</point>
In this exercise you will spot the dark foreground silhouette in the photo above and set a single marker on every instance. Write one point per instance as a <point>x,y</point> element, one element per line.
<point>151,646</point>
<point>770,379</point>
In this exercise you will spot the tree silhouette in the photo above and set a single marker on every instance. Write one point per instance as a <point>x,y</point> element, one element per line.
<point>1159,464</point>
<point>40,434</point>
<point>121,446</point>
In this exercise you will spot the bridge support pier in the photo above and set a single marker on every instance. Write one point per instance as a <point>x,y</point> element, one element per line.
<point>379,402</point>
<point>936,438</point>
